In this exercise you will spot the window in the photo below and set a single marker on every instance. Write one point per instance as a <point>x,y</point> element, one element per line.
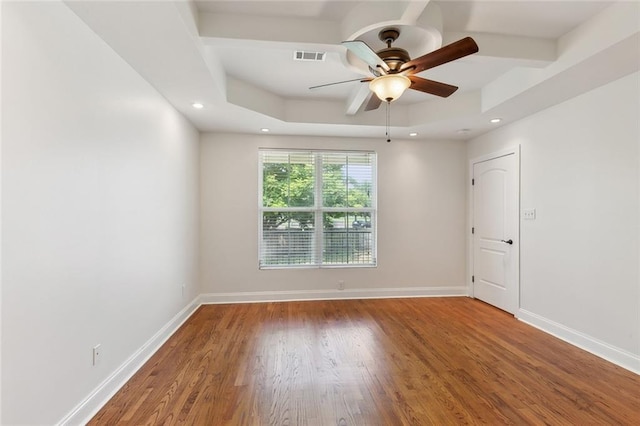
<point>317,208</point>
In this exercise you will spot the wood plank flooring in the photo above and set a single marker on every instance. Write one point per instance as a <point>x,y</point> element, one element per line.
<point>371,362</point>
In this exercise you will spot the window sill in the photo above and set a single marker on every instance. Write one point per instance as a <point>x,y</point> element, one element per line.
<point>270,267</point>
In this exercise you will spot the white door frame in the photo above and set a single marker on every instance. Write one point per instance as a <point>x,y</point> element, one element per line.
<point>515,150</point>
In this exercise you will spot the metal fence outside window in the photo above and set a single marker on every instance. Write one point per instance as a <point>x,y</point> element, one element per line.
<point>296,246</point>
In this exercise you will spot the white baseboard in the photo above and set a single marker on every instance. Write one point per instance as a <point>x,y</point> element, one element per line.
<point>359,293</point>
<point>88,408</point>
<point>604,350</point>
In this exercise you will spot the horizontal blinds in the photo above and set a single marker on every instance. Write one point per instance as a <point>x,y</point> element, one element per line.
<point>288,238</point>
<point>347,179</point>
<point>288,179</point>
<point>317,208</point>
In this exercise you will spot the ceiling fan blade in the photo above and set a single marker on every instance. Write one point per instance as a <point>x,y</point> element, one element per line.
<point>367,54</point>
<point>374,102</point>
<point>361,80</point>
<point>432,87</point>
<point>448,53</point>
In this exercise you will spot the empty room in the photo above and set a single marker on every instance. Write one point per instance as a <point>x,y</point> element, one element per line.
<point>320,212</point>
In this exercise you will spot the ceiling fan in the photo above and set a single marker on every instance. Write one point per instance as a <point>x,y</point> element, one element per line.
<point>394,71</point>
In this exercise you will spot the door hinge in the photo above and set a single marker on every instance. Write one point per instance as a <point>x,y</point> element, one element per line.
<point>473,182</point>
<point>473,230</point>
<point>473,278</point>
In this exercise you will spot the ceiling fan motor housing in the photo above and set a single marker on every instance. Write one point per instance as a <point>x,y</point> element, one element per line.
<point>395,57</point>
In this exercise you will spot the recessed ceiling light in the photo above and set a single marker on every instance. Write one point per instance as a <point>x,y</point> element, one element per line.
<point>463,131</point>
<point>197,105</point>
<point>496,120</point>
<point>264,129</point>
<point>413,134</point>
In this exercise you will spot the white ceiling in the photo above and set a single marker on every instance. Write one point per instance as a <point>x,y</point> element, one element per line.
<point>541,18</point>
<point>236,57</point>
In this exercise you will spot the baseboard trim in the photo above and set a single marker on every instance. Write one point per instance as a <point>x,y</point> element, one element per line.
<point>359,293</point>
<point>88,408</point>
<point>604,350</point>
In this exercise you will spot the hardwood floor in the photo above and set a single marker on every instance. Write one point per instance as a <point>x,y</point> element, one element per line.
<point>371,362</point>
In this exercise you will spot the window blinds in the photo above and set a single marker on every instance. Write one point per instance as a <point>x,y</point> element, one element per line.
<point>317,208</point>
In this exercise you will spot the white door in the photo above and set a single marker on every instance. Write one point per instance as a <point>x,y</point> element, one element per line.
<point>496,231</point>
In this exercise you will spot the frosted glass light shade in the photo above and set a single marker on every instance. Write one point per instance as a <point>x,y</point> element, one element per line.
<point>389,87</point>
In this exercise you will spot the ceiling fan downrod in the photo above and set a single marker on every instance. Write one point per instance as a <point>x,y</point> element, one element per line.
<point>389,35</point>
<point>388,121</point>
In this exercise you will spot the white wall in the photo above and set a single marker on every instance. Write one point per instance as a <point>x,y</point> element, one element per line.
<point>579,258</point>
<point>1,216</point>
<point>99,211</point>
<point>421,219</point>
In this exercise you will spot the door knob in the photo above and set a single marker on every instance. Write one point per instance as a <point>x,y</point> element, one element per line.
<point>509,241</point>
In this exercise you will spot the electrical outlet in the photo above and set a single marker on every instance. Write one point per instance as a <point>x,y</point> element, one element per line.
<point>529,214</point>
<point>341,285</point>
<point>97,354</point>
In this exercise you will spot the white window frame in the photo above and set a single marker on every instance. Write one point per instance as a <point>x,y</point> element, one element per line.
<point>318,210</point>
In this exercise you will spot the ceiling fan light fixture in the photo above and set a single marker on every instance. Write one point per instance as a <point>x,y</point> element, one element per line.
<point>389,87</point>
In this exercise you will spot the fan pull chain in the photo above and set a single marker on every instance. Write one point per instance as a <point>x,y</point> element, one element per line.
<point>388,133</point>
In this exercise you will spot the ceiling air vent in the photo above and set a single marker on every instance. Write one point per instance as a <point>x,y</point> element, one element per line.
<point>301,55</point>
